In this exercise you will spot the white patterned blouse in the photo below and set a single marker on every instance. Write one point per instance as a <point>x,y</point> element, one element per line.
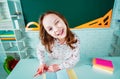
<point>61,54</point>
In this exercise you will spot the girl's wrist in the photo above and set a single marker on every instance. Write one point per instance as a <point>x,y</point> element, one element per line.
<point>60,66</point>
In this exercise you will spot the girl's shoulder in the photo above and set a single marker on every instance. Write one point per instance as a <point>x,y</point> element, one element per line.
<point>40,45</point>
<point>76,36</point>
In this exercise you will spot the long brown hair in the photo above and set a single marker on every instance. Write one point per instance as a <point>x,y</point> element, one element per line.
<point>48,40</point>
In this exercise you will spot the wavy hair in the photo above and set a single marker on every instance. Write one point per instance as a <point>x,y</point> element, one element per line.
<point>48,40</point>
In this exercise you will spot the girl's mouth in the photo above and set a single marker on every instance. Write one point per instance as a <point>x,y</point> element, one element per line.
<point>62,31</point>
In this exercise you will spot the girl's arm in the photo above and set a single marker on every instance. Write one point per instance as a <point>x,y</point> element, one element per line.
<point>73,59</point>
<point>68,63</point>
<point>41,54</point>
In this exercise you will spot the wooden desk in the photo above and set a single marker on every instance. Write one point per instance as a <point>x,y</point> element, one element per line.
<point>26,68</point>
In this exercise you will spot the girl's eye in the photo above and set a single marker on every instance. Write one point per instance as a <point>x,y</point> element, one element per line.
<point>56,22</point>
<point>50,29</point>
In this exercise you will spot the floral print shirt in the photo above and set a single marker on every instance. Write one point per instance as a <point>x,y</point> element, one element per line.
<point>61,52</point>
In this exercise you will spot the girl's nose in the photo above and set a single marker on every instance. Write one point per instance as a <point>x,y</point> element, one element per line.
<point>56,30</point>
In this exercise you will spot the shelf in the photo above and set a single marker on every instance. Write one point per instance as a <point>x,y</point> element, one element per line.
<point>11,35</point>
<point>24,55</point>
<point>22,39</point>
<point>15,50</point>
<point>8,41</point>
<point>13,46</point>
<point>24,49</point>
<point>7,35</point>
<point>12,40</point>
<point>1,48</point>
<point>6,32</point>
<point>6,24</point>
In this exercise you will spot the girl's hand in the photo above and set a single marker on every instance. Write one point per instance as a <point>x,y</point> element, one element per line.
<point>53,68</point>
<point>43,68</point>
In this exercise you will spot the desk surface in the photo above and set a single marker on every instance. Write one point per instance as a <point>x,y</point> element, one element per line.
<point>26,69</point>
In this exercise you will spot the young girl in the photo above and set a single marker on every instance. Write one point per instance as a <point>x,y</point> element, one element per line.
<point>60,43</point>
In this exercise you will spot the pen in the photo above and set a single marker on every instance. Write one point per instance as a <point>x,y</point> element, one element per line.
<point>39,72</point>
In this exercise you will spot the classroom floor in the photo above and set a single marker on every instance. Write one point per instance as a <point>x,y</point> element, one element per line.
<point>3,74</point>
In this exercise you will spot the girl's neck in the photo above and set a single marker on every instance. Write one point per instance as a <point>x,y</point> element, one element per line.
<point>61,41</point>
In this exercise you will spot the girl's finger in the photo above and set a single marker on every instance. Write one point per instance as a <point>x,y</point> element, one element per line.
<point>50,69</point>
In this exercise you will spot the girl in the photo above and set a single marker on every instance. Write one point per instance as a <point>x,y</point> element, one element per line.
<point>58,40</point>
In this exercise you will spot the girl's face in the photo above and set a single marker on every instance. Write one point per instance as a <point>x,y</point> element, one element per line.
<point>55,26</point>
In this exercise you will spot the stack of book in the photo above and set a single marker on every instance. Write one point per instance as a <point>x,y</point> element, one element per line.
<point>103,64</point>
<point>7,36</point>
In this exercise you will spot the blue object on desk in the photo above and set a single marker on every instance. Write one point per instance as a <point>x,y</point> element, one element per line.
<point>62,74</point>
<point>51,75</point>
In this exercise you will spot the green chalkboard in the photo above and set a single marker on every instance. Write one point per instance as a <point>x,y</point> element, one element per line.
<point>76,12</point>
